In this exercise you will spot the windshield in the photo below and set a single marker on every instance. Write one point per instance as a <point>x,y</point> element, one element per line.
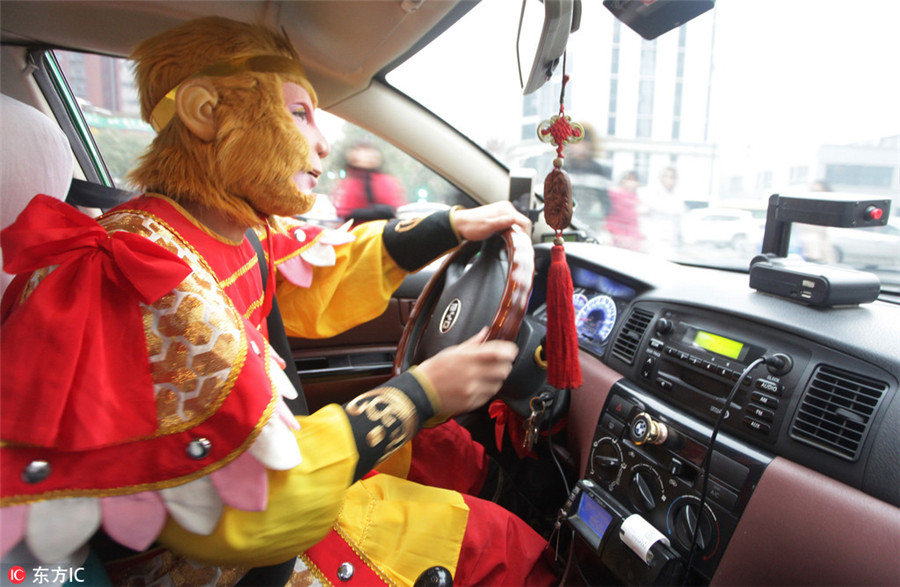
<point>689,134</point>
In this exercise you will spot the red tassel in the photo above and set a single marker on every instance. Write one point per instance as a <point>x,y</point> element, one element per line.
<point>563,366</point>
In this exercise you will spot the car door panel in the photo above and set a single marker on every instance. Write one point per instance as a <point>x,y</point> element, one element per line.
<point>339,368</point>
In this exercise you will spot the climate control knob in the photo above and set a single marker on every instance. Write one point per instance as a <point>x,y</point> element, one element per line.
<point>644,491</point>
<point>688,521</point>
<point>606,458</point>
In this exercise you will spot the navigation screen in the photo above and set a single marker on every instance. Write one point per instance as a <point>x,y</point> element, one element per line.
<point>718,344</point>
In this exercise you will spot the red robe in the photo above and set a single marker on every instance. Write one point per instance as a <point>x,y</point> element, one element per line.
<point>160,414</point>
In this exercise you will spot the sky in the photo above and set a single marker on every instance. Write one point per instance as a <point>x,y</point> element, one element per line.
<point>828,70</point>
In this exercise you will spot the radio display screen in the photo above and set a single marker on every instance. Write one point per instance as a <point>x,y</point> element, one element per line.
<point>718,344</point>
<point>594,515</point>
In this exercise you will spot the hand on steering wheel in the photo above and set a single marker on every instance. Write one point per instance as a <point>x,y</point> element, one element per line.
<point>480,284</point>
<point>469,374</point>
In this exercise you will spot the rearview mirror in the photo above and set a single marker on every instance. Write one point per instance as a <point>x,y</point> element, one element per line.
<point>561,17</point>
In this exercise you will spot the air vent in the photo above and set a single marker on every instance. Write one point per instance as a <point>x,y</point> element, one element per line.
<point>629,338</point>
<point>836,411</point>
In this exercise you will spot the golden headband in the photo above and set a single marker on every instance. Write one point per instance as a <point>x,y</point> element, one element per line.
<point>164,111</point>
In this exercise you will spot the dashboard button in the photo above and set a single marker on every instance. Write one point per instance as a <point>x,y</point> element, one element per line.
<point>647,367</point>
<point>612,426</point>
<point>656,344</point>
<point>764,400</point>
<point>728,470</point>
<point>769,386</point>
<point>621,408</point>
<point>757,425</point>
<point>761,413</point>
<point>722,495</point>
<point>675,467</point>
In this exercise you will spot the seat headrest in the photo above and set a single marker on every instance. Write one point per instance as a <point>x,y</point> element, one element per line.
<point>35,158</point>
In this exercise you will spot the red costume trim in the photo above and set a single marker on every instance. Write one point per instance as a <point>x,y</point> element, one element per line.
<point>326,557</point>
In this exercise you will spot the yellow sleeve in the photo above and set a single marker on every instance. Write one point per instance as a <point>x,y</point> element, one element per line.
<point>303,503</point>
<point>356,289</point>
<point>404,527</point>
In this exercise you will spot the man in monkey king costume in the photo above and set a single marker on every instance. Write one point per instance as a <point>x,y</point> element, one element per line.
<point>159,431</point>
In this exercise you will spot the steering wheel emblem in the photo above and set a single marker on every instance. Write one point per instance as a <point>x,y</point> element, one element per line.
<point>451,313</point>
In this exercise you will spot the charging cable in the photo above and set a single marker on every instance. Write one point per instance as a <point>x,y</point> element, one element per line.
<point>777,363</point>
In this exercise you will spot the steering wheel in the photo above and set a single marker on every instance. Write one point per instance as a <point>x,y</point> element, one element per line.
<point>481,283</point>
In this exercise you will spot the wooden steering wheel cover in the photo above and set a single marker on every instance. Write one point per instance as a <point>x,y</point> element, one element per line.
<point>513,302</point>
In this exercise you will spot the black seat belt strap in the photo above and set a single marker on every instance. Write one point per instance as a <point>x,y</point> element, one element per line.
<point>277,335</point>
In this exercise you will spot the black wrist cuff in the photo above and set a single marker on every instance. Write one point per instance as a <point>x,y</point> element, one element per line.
<point>386,418</point>
<point>415,242</point>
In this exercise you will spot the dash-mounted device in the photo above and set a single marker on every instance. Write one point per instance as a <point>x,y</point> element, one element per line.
<point>815,284</point>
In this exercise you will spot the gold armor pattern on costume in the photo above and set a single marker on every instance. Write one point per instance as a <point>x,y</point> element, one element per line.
<point>194,335</point>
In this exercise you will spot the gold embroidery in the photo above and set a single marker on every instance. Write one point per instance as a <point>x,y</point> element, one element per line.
<point>194,221</point>
<point>206,361</point>
<point>391,412</point>
<point>36,278</point>
<point>317,572</point>
<point>64,493</point>
<point>253,307</point>
<point>195,337</point>
<point>359,552</point>
<point>161,566</point>
<point>408,224</point>
<point>237,274</point>
<point>287,226</point>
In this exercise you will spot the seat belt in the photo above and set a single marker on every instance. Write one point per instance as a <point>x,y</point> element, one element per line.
<point>278,574</point>
<point>332,546</point>
<point>277,335</point>
<point>94,195</point>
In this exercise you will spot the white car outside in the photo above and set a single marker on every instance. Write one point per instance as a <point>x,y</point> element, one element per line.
<point>721,227</point>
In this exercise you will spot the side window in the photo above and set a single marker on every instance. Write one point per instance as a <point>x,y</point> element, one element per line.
<point>364,177</point>
<point>367,178</point>
<point>107,97</point>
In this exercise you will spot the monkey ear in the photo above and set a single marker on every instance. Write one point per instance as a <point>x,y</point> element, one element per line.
<point>195,103</point>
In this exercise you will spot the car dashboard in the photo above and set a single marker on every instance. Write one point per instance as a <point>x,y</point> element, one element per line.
<point>804,467</point>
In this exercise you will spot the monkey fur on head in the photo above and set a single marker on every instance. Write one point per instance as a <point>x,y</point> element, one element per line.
<point>247,169</point>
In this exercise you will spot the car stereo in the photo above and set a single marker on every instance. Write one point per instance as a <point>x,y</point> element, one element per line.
<point>695,360</point>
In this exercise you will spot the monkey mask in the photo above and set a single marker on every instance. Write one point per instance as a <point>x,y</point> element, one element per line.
<point>212,88</point>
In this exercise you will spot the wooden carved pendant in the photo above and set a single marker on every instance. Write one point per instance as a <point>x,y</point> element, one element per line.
<point>558,206</point>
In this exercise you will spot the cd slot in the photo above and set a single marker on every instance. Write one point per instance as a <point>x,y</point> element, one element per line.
<point>704,382</point>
